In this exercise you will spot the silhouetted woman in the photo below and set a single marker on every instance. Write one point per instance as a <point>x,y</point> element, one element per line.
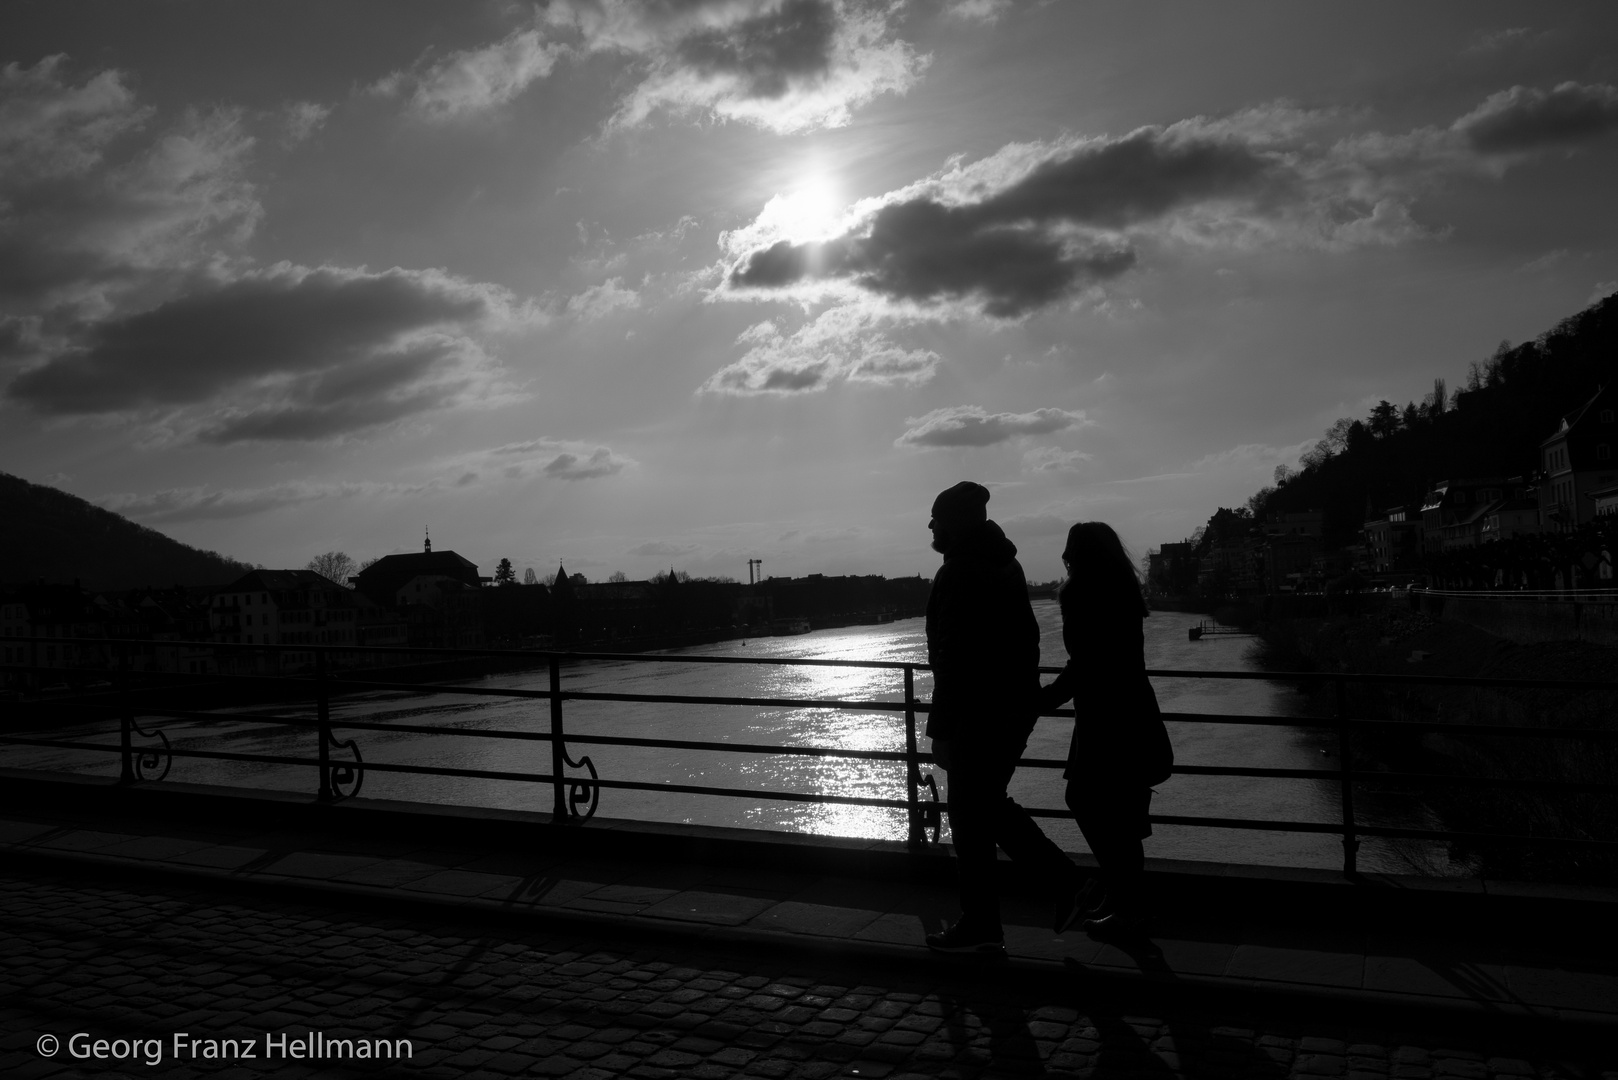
<point>1119,748</point>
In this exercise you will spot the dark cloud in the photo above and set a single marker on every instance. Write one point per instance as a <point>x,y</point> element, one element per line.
<point>553,459</point>
<point>16,337</point>
<point>768,52</point>
<point>336,346</point>
<point>92,205</point>
<point>971,425</point>
<point>323,415</point>
<point>34,265</point>
<point>600,463</point>
<point>1145,174</point>
<point>786,65</point>
<point>1026,244</point>
<point>1524,118</point>
<point>806,378</point>
<point>199,504</point>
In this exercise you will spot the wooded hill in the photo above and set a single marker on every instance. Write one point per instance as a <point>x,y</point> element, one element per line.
<point>1511,402</point>
<point>55,536</point>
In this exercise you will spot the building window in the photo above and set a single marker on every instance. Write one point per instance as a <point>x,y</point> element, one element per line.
<point>1603,452</point>
<point>1607,416</point>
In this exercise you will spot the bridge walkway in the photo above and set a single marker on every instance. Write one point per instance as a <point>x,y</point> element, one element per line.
<point>497,944</point>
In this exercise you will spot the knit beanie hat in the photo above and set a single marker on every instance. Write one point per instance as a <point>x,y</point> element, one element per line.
<point>961,506</point>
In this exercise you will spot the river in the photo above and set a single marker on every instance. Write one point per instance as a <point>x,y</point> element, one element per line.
<point>1167,647</point>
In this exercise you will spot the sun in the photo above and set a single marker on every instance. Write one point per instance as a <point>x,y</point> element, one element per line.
<point>812,210</point>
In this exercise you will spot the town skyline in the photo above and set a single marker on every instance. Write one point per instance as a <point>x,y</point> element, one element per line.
<point>620,286</point>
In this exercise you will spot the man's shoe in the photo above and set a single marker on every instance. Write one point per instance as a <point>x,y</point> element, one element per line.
<point>1071,909</point>
<point>962,938</point>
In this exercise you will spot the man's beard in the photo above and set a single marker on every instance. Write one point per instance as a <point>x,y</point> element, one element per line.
<point>941,543</point>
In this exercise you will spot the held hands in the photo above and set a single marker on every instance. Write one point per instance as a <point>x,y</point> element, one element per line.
<point>1049,699</point>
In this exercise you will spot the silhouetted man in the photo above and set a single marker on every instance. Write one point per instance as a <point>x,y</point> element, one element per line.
<point>983,645</point>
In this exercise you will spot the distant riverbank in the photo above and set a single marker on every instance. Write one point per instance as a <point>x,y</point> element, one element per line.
<point>1400,641</point>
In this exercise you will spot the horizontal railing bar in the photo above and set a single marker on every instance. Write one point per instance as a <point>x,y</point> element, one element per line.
<point>1358,724</point>
<point>624,740</point>
<point>1477,837</point>
<point>1375,677</point>
<point>1456,779</point>
<point>1331,828</point>
<point>336,682</point>
<point>1361,779</point>
<point>786,703</point>
<point>543,656</point>
<point>1508,730</point>
<point>747,748</point>
<point>1577,596</point>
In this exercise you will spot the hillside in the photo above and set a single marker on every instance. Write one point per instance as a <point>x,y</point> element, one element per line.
<point>1491,427</point>
<point>52,535</point>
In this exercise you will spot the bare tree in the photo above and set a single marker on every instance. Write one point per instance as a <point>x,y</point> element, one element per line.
<point>617,575</point>
<point>334,566</point>
<point>1332,443</point>
<point>1436,402</point>
<point>529,577</point>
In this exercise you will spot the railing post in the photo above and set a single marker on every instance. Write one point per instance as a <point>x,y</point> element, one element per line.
<point>1345,781</point>
<point>323,724</point>
<point>559,810</point>
<point>126,720</point>
<point>918,833</point>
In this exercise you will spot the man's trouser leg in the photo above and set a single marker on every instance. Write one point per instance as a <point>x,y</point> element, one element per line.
<point>977,790</point>
<point>1019,835</point>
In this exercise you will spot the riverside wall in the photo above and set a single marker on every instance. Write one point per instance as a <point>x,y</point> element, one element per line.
<point>1528,621</point>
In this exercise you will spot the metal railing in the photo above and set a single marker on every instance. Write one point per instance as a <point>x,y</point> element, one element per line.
<point>576,796</point>
<point>1566,596</point>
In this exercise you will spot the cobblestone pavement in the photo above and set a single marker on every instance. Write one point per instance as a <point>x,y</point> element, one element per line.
<point>142,961</point>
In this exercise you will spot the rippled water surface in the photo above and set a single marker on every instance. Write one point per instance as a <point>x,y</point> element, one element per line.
<point>1167,648</point>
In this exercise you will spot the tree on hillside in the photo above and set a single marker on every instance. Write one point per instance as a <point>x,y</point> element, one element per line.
<point>617,575</point>
<point>1335,441</point>
<point>334,566</point>
<point>1384,420</point>
<point>1437,401</point>
<point>504,574</point>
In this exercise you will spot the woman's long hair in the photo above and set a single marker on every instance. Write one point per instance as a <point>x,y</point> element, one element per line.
<point>1100,567</point>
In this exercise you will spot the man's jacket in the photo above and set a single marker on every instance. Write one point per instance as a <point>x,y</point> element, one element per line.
<point>982,642</point>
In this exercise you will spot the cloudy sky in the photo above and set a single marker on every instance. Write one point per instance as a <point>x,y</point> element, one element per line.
<point>688,282</point>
